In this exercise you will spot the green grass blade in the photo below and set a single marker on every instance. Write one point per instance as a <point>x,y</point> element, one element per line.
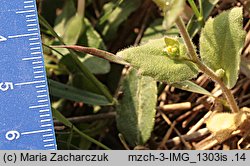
<point>78,64</point>
<point>191,87</point>
<point>58,89</point>
<point>67,123</point>
<point>194,25</point>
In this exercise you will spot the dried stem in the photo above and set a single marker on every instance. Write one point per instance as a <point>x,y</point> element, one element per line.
<point>194,57</point>
<point>81,7</point>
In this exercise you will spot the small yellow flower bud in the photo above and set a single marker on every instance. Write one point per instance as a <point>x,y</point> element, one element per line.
<point>171,50</point>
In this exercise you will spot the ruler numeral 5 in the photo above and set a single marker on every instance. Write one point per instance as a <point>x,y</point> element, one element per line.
<point>4,86</point>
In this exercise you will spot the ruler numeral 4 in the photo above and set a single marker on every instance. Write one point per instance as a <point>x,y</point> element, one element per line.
<point>4,86</point>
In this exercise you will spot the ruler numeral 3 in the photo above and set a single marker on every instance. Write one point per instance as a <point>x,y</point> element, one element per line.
<point>4,86</point>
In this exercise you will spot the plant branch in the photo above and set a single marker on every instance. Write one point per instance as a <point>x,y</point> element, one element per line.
<point>193,56</point>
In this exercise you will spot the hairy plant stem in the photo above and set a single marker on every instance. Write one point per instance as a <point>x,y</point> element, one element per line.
<point>194,57</point>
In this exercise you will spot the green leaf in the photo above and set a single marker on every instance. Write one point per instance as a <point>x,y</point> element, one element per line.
<point>91,38</point>
<point>156,31</point>
<point>108,11</point>
<point>68,12</point>
<point>172,9</point>
<point>69,25</point>
<point>136,110</point>
<point>194,25</point>
<point>191,87</point>
<point>117,16</point>
<point>58,89</point>
<point>221,43</point>
<point>81,82</point>
<point>67,123</point>
<point>161,4</point>
<point>73,29</point>
<point>74,66</point>
<point>151,60</point>
<point>45,24</point>
<point>102,65</point>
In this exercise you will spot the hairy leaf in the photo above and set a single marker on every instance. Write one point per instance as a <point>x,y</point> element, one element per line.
<point>221,43</point>
<point>136,109</point>
<point>152,60</point>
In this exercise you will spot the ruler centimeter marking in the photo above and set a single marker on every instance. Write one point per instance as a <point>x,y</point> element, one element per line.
<point>26,121</point>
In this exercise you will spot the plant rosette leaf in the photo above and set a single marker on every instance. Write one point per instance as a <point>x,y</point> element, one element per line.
<point>221,42</point>
<point>163,59</point>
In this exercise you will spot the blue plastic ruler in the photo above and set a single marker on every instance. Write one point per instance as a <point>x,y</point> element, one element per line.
<point>25,114</point>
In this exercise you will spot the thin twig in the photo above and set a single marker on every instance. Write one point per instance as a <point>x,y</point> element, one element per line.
<point>188,137</point>
<point>170,108</point>
<point>187,145</point>
<point>167,136</point>
<point>143,27</point>
<point>199,123</point>
<point>88,118</point>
